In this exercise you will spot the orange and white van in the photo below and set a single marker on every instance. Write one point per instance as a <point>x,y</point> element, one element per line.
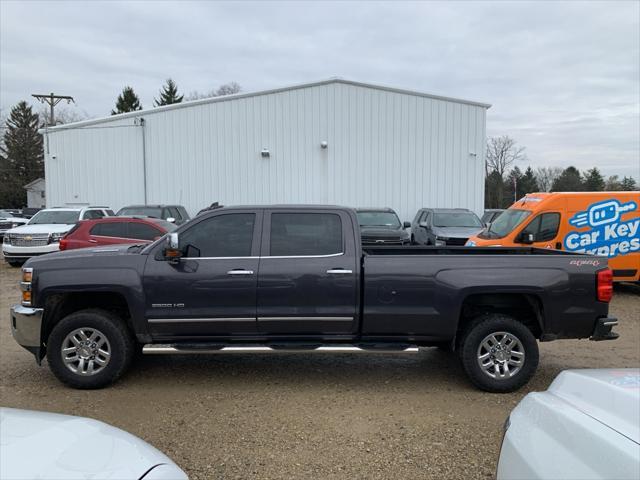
<point>600,223</point>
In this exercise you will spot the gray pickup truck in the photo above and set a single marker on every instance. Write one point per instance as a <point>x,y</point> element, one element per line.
<point>296,279</point>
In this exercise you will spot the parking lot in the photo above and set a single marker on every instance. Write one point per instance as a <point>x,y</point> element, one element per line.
<point>307,416</point>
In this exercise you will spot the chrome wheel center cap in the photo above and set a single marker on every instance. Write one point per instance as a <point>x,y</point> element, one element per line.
<point>84,352</point>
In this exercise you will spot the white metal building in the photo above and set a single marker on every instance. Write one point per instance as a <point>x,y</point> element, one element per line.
<point>330,142</point>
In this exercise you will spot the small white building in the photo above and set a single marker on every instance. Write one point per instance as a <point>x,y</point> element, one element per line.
<point>329,142</point>
<point>36,197</point>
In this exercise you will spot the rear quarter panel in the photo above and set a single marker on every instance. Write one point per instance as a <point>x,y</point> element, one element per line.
<point>422,295</point>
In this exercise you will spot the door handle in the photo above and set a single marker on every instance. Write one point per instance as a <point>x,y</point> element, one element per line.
<point>239,271</point>
<point>93,241</point>
<point>339,271</point>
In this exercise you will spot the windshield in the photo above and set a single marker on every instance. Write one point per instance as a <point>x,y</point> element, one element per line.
<point>63,217</point>
<point>141,211</point>
<point>506,222</point>
<point>456,219</point>
<point>378,219</point>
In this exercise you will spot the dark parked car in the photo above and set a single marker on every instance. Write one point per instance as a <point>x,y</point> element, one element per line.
<point>297,279</point>
<point>444,226</point>
<point>381,226</point>
<point>490,215</point>
<point>114,230</point>
<point>171,213</point>
<point>29,212</point>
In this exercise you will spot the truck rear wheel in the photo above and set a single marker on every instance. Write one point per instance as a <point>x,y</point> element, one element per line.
<point>498,353</point>
<point>90,349</point>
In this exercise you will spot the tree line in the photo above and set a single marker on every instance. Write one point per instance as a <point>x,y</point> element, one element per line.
<point>128,100</point>
<point>505,183</point>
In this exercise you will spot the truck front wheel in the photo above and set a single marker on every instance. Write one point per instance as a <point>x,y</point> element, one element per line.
<point>498,353</point>
<point>90,349</point>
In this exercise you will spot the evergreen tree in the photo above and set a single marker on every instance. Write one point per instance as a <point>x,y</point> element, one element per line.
<point>168,94</point>
<point>528,182</point>
<point>493,191</point>
<point>511,187</point>
<point>628,184</point>
<point>593,181</point>
<point>568,181</point>
<point>21,155</point>
<point>127,101</point>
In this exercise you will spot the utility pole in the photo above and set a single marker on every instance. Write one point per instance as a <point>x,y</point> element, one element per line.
<point>52,100</point>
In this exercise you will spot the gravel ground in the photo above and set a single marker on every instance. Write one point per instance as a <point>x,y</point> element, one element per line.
<point>308,416</point>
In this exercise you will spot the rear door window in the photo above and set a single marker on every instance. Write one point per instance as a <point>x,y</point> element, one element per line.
<point>305,234</point>
<point>110,229</point>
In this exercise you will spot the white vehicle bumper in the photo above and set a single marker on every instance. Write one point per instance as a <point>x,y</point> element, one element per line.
<point>11,252</point>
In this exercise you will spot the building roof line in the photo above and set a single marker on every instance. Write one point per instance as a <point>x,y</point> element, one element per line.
<point>226,98</point>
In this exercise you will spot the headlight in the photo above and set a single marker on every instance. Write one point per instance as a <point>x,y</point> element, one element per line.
<point>5,239</point>
<point>440,243</point>
<point>55,237</point>
<point>14,225</point>
<point>470,243</point>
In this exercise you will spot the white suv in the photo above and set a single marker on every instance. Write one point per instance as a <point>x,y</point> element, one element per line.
<point>43,232</point>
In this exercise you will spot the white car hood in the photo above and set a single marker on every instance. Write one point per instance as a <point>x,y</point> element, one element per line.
<point>42,228</point>
<point>40,445</point>
<point>611,396</point>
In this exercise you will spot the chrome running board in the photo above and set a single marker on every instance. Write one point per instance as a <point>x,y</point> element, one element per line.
<point>158,349</point>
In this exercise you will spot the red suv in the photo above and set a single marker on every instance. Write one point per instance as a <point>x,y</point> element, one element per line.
<point>112,230</point>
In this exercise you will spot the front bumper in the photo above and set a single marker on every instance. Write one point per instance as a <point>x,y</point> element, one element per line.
<point>26,326</point>
<point>23,253</point>
<point>603,329</point>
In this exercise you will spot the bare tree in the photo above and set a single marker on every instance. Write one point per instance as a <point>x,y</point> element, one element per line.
<point>502,152</point>
<point>226,89</point>
<point>545,176</point>
<point>63,115</point>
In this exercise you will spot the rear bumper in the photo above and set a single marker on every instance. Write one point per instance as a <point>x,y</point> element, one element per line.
<point>603,329</point>
<point>26,326</point>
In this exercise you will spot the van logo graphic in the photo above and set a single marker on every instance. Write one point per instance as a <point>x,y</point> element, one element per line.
<point>608,235</point>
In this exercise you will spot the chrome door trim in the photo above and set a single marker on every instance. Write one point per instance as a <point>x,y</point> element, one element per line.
<point>303,256</point>
<point>240,272</point>
<point>341,271</point>
<point>318,319</point>
<point>265,257</point>
<point>201,320</point>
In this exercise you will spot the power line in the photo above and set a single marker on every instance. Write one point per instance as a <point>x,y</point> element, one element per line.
<point>52,100</point>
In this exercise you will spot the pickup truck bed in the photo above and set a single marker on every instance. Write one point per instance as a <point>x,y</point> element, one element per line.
<point>295,278</point>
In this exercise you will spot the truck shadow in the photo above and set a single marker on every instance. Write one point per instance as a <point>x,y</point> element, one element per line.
<point>430,365</point>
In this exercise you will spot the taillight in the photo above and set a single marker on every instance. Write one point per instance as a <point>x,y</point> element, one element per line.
<point>63,243</point>
<point>605,285</point>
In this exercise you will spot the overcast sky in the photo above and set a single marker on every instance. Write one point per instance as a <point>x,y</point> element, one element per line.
<point>563,77</point>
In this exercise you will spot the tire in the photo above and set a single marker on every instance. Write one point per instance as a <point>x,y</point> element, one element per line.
<point>99,370</point>
<point>506,331</point>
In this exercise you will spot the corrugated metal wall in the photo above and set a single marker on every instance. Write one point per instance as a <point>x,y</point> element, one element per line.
<point>385,148</point>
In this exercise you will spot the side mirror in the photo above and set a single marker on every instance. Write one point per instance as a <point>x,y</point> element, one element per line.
<point>527,238</point>
<point>406,225</point>
<point>172,251</point>
<point>171,220</point>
